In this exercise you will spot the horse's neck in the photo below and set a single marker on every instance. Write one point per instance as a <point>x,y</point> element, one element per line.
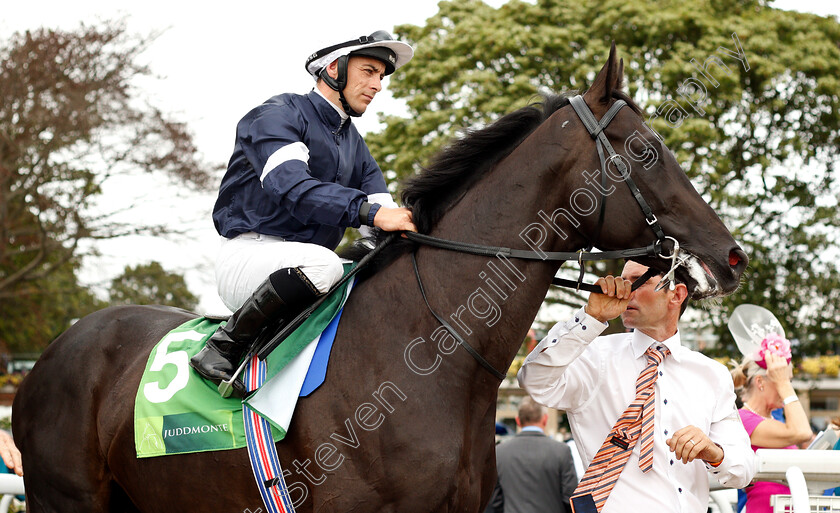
<point>492,301</point>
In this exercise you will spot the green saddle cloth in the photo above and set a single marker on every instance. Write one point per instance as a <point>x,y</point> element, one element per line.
<point>176,411</point>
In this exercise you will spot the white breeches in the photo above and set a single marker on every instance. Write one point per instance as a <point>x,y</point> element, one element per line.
<point>246,261</point>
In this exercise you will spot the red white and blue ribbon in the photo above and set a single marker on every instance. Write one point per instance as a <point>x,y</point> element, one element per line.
<point>261,448</point>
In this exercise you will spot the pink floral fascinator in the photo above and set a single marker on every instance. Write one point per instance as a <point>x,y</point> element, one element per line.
<point>757,332</point>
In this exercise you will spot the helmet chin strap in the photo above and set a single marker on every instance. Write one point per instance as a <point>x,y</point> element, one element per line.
<point>346,106</point>
<point>339,83</point>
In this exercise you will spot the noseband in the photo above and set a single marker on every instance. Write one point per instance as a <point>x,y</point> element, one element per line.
<point>606,154</point>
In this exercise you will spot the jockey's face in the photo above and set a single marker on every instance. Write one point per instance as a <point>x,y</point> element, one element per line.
<point>364,80</point>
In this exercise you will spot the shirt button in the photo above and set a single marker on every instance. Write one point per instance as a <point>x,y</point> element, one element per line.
<point>660,373</point>
<point>577,320</point>
<point>666,431</point>
<point>680,489</point>
<point>672,462</point>
<point>665,401</point>
<point>583,327</point>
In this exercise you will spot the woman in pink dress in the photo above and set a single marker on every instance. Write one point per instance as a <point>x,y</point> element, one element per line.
<point>765,386</point>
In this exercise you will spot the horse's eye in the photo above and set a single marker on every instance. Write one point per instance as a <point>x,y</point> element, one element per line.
<point>650,156</point>
<point>647,155</point>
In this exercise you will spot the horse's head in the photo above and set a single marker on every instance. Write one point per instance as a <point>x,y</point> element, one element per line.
<point>643,196</point>
<point>714,261</point>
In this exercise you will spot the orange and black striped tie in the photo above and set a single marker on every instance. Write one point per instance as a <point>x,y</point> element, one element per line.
<point>635,424</point>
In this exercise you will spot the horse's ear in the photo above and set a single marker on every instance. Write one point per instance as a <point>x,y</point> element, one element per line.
<point>609,79</point>
<point>620,83</point>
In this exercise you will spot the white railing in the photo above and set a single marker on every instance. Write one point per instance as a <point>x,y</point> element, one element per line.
<point>806,473</point>
<point>820,469</point>
<point>10,485</point>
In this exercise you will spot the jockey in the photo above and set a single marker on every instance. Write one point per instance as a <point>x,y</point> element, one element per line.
<point>300,174</point>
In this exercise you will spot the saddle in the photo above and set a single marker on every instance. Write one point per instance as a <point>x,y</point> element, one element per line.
<point>177,411</point>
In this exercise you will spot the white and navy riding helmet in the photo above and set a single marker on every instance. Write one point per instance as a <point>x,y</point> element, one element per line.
<point>379,45</point>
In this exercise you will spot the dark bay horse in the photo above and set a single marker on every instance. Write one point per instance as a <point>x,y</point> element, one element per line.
<point>404,421</point>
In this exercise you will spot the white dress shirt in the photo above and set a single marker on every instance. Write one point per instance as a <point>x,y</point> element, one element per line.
<point>594,380</point>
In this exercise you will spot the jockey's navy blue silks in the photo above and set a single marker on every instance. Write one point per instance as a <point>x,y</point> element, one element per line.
<point>297,173</point>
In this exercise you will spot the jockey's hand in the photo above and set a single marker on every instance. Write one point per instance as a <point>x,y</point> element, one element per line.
<point>394,219</point>
<point>613,301</point>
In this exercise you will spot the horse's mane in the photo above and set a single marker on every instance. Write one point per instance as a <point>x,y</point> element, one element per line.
<point>456,167</point>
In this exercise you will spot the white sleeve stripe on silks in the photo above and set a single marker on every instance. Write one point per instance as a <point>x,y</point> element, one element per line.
<point>383,198</point>
<point>294,151</point>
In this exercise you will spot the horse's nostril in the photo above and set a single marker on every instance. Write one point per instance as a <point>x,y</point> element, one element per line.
<point>734,259</point>
<point>737,258</point>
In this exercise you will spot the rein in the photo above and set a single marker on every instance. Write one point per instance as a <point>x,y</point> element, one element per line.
<point>596,131</point>
<point>652,250</point>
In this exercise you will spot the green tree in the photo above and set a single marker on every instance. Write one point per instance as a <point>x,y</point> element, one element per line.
<point>30,322</point>
<point>71,118</point>
<point>151,284</point>
<point>756,131</point>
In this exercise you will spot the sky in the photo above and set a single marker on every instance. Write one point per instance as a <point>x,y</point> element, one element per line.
<point>212,65</point>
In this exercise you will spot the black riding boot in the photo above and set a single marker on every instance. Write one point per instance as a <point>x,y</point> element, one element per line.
<point>280,298</point>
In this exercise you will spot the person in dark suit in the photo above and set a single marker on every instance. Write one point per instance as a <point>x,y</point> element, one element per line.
<point>536,474</point>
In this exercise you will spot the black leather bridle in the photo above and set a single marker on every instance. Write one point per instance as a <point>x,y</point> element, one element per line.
<point>606,154</point>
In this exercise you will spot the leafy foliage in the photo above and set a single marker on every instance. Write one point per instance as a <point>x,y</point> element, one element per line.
<point>50,305</point>
<point>756,132</point>
<point>70,119</point>
<point>150,284</point>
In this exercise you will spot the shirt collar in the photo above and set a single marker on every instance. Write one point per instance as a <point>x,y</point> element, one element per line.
<point>329,112</point>
<point>533,429</point>
<point>641,342</point>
